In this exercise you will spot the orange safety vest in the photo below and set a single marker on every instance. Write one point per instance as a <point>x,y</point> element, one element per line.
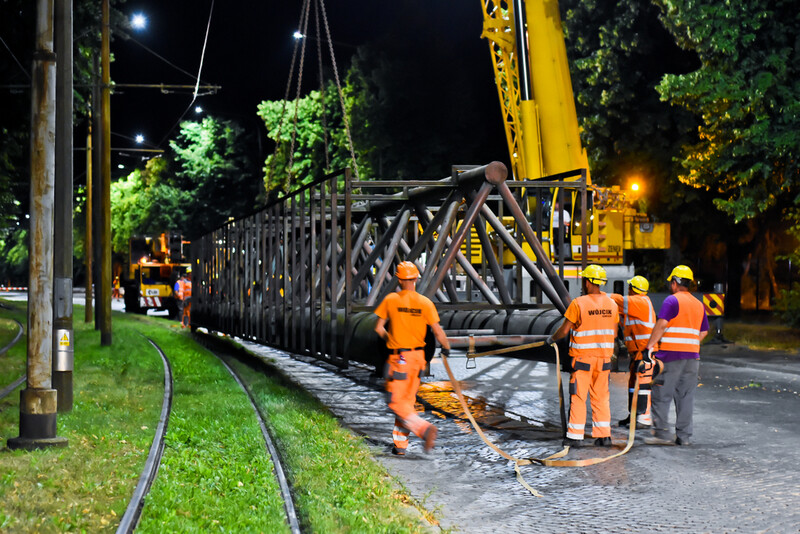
<point>596,326</point>
<point>639,321</point>
<point>683,331</point>
<point>186,289</point>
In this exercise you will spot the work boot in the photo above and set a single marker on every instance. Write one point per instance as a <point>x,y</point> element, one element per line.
<point>644,421</point>
<point>625,422</point>
<point>569,442</point>
<point>602,442</point>
<point>430,437</point>
<point>658,439</point>
<point>682,442</point>
<point>398,452</point>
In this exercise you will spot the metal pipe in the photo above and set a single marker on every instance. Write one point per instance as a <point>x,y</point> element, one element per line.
<point>516,211</point>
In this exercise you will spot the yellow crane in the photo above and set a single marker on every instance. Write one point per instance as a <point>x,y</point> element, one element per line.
<point>529,55</point>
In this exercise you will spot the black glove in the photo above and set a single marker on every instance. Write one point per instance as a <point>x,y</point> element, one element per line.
<point>550,340</point>
<point>445,352</point>
<point>647,356</point>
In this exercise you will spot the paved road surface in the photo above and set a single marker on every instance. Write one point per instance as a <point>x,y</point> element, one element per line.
<point>740,475</point>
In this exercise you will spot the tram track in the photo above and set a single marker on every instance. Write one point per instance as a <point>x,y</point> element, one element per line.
<point>134,511</point>
<point>280,474</point>
<point>221,352</point>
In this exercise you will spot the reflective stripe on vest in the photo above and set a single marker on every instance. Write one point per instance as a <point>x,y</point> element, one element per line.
<point>637,330</point>
<point>593,337</point>
<point>683,331</point>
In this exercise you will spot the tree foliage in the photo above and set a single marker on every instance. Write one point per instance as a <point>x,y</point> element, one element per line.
<point>144,203</point>
<point>204,179</point>
<point>302,138</point>
<point>746,95</point>
<point>213,165</point>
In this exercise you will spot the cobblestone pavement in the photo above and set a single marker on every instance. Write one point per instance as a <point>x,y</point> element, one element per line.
<point>740,475</point>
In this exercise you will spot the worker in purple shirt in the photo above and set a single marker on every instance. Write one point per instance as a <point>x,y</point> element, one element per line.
<point>682,324</point>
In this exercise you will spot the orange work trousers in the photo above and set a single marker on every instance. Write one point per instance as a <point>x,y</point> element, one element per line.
<point>589,379</point>
<point>643,416</point>
<point>402,383</point>
<point>186,318</point>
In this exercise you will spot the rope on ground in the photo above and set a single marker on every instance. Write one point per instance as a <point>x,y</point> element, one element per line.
<point>554,460</point>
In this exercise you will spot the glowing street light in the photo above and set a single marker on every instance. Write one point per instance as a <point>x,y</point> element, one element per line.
<point>139,139</point>
<point>138,21</point>
<point>198,110</point>
<point>298,35</point>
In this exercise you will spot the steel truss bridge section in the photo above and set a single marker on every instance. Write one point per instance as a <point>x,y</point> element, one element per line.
<point>305,273</point>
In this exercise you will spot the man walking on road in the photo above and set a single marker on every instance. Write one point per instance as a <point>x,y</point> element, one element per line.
<point>592,319</point>
<point>638,319</point>
<point>682,324</point>
<point>408,314</point>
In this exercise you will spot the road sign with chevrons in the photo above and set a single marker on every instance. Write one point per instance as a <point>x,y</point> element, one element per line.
<point>714,304</point>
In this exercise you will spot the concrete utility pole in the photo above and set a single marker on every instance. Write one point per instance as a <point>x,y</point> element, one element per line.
<point>63,342</point>
<point>37,407</point>
<point>104,276</point>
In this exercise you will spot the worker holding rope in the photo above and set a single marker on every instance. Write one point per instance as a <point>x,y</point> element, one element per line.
<point>408,315</point>
<point>682,324</point>
<point>638,319</point>
<point>592,319</point>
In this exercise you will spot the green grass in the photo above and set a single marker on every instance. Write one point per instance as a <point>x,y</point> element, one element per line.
<point>338,485</point>
<point>762,336</point>
<point>85,486</point>
<point>12,363</point>
<point>215,475</point>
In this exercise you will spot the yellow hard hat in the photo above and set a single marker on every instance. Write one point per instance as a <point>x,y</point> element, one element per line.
<point>639,284</point>
<point>407,271</point>
<point>682,272</point>
<point>595,274</point>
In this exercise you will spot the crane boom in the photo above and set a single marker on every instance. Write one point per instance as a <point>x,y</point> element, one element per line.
<point>528,51</point>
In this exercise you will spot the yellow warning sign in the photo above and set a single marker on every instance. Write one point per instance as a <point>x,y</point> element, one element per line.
<point>714,304</point>
<point>64,341</point>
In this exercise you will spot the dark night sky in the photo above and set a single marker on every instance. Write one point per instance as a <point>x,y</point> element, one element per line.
<point>250,48</point>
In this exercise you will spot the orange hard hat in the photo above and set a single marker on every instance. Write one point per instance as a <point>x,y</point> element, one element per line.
<point>407,271</point>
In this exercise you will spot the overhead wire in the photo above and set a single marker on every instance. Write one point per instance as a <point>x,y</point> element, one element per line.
<point>27,74</point>
<point>162,58</point>
<point>197,83</point>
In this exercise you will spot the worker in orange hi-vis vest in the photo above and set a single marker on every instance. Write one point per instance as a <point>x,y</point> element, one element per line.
<point>408,314</point>
<point>681,325</point>
<point>638,319</point>
<point>592,320</point>
<point>185,296</point>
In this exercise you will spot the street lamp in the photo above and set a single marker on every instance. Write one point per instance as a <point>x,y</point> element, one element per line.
<point>138,21</point>
<point>139,139</point>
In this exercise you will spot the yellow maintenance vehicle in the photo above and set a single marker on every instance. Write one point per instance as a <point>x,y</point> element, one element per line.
<point>155,264</point>
<point>528,51</point>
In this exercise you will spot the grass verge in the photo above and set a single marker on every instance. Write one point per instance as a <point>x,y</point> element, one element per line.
<point>12,363</point>
<point>85,486</point>
<point>337,484</point>
<point>760,336</point>
<point>215,473</point>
